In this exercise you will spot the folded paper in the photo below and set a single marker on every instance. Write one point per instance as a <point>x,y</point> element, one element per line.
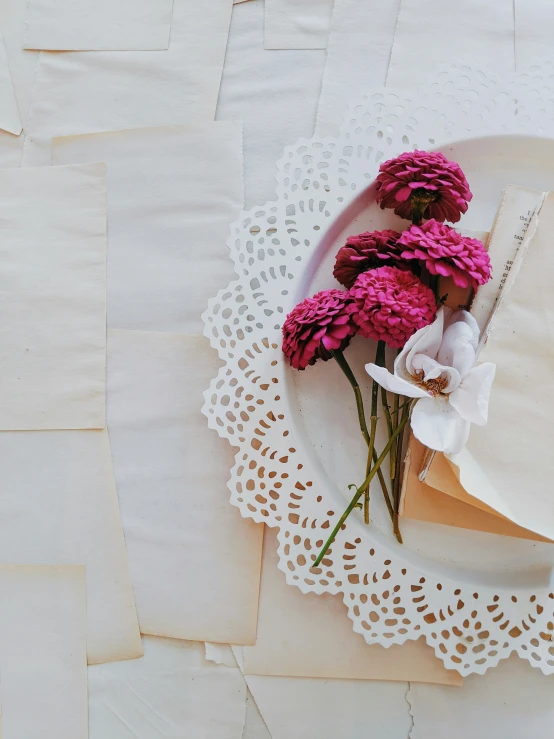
<point>119,25</point>
<point>10,119</point>
<point>172,193</point>
<point>53,297</point>
<point>43,658</point>
<point>58,505</point>
<point>137,88</point>
<point>195,562</point>
<point>297,24</point>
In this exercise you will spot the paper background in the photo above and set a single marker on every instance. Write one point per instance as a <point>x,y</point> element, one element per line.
<point>98,24</point>
<point>43,652</point>
<point>10,119</point>
<point>58,505</point>
<point>534,26</point>
<point>53,298</point>
<point>194,561</point>
<point>172,193</point>
<point>297,24</point>
<point>142,88</point>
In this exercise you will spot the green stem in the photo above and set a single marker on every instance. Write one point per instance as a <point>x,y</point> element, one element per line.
<point>396,490</point>
<point>396,411</point>
<point>379,360</point>
<point>360,491</point>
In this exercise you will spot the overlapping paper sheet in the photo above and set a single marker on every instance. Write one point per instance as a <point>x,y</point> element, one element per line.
<point>172,193</point>
<point>534,29</point>
<point>195,562</point>
<point>10,120</point>
<point>53,297</point>
<point>118,25</point>
<point>58,505</point>
<point>479,32</point>
<point>22,62</point>
<point>135,88</point>
<point>171,692</point>
<point>311,636</point>
<point>297,24</point>
<point>43,664</point>
<point>358,53</point>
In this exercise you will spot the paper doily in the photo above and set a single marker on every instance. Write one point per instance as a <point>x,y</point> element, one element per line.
<point>274,479</point>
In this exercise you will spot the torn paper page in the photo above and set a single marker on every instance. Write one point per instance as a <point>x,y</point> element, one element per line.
<point>512,701</point>
<point>292,627</point>
<point>137,88</point>
<point>195,562</point>
<point>171,692</point>
<point>272,121</point>
<point>501,457</point>
<point>58,505</point>
<point>477,31</point>
<point>43,661</point>
<point>98,25</point>
<point>172,193</point>
<point>10,119</point>
<point>305,708</point>
<point>358,52</point>
<point>534,29</point>
<point>221,654</point>
<point>297,24</point>
<point>53,297</point>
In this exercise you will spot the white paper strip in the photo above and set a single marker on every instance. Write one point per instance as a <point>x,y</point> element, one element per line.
<point>43,661</point>
<point>58,505</point>
<point>53,297</point>
<point>311,636</point>
<point>171,196</point>
<point>10,119</point>
<point>510,702</point>
<point>172,692</point>
<point>358,52</point>
<point>22,63</point>
<point>138,88</point>
<point>72,25</point>
<point>437,32</point>
<point>195,563</point>
<point>297,24</point>
<point>534,30</point>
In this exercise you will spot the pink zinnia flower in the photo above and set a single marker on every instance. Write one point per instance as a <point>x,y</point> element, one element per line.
<point>446,252</point>
<point>366,251</point>
<point>423,184</point>
<point>316,327</point>
<point>390,304</point>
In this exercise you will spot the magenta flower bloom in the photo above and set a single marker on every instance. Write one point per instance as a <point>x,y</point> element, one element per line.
<point>420,184</point>
<point>390,304</point>
<point>316,327</point>
<point>446,252</point>
<point>366,251</point>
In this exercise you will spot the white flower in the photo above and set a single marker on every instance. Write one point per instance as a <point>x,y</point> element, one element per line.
<point>437,365</point>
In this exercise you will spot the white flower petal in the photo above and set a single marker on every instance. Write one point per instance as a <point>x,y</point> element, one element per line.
<point>457,348</point>
<point>425,341</point>
<point>432,370</point>
<point>463,316</point>
<point>439,426</point>
<point>471,399</point>
<point>392,383</point>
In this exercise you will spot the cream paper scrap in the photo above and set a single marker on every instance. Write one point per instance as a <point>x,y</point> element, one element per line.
<point>22,63</point>
<point>10,120</point>
<point>479,32</point>
<point>309,635</point>
<point>58,505</point>
<point>534,30</point>
<point>53,297</point>
<point>171,692</point>
<point>134,89</point>
<point>172,193</point>
<point>98,25</point>
<point>297,24</point>
<point>43,661</point>
<point>501,458</point>
<point>358,52</point>
<point>195,562</point>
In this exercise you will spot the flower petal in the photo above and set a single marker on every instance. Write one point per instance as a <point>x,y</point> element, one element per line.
<point>425,341</point>
<point>392,383</point>
<point>471,399</point>
<point>459,343</point>
<point>439,426</point>
<point>433,369</point>
<point>464,316</point>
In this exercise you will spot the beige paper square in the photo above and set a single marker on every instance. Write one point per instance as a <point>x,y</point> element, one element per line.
<point>172,193</point>
<point>43,659</point>
<point>53,297</point>
<point>117,25</point>
<point>58,505</point>
<point>195,563</point>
